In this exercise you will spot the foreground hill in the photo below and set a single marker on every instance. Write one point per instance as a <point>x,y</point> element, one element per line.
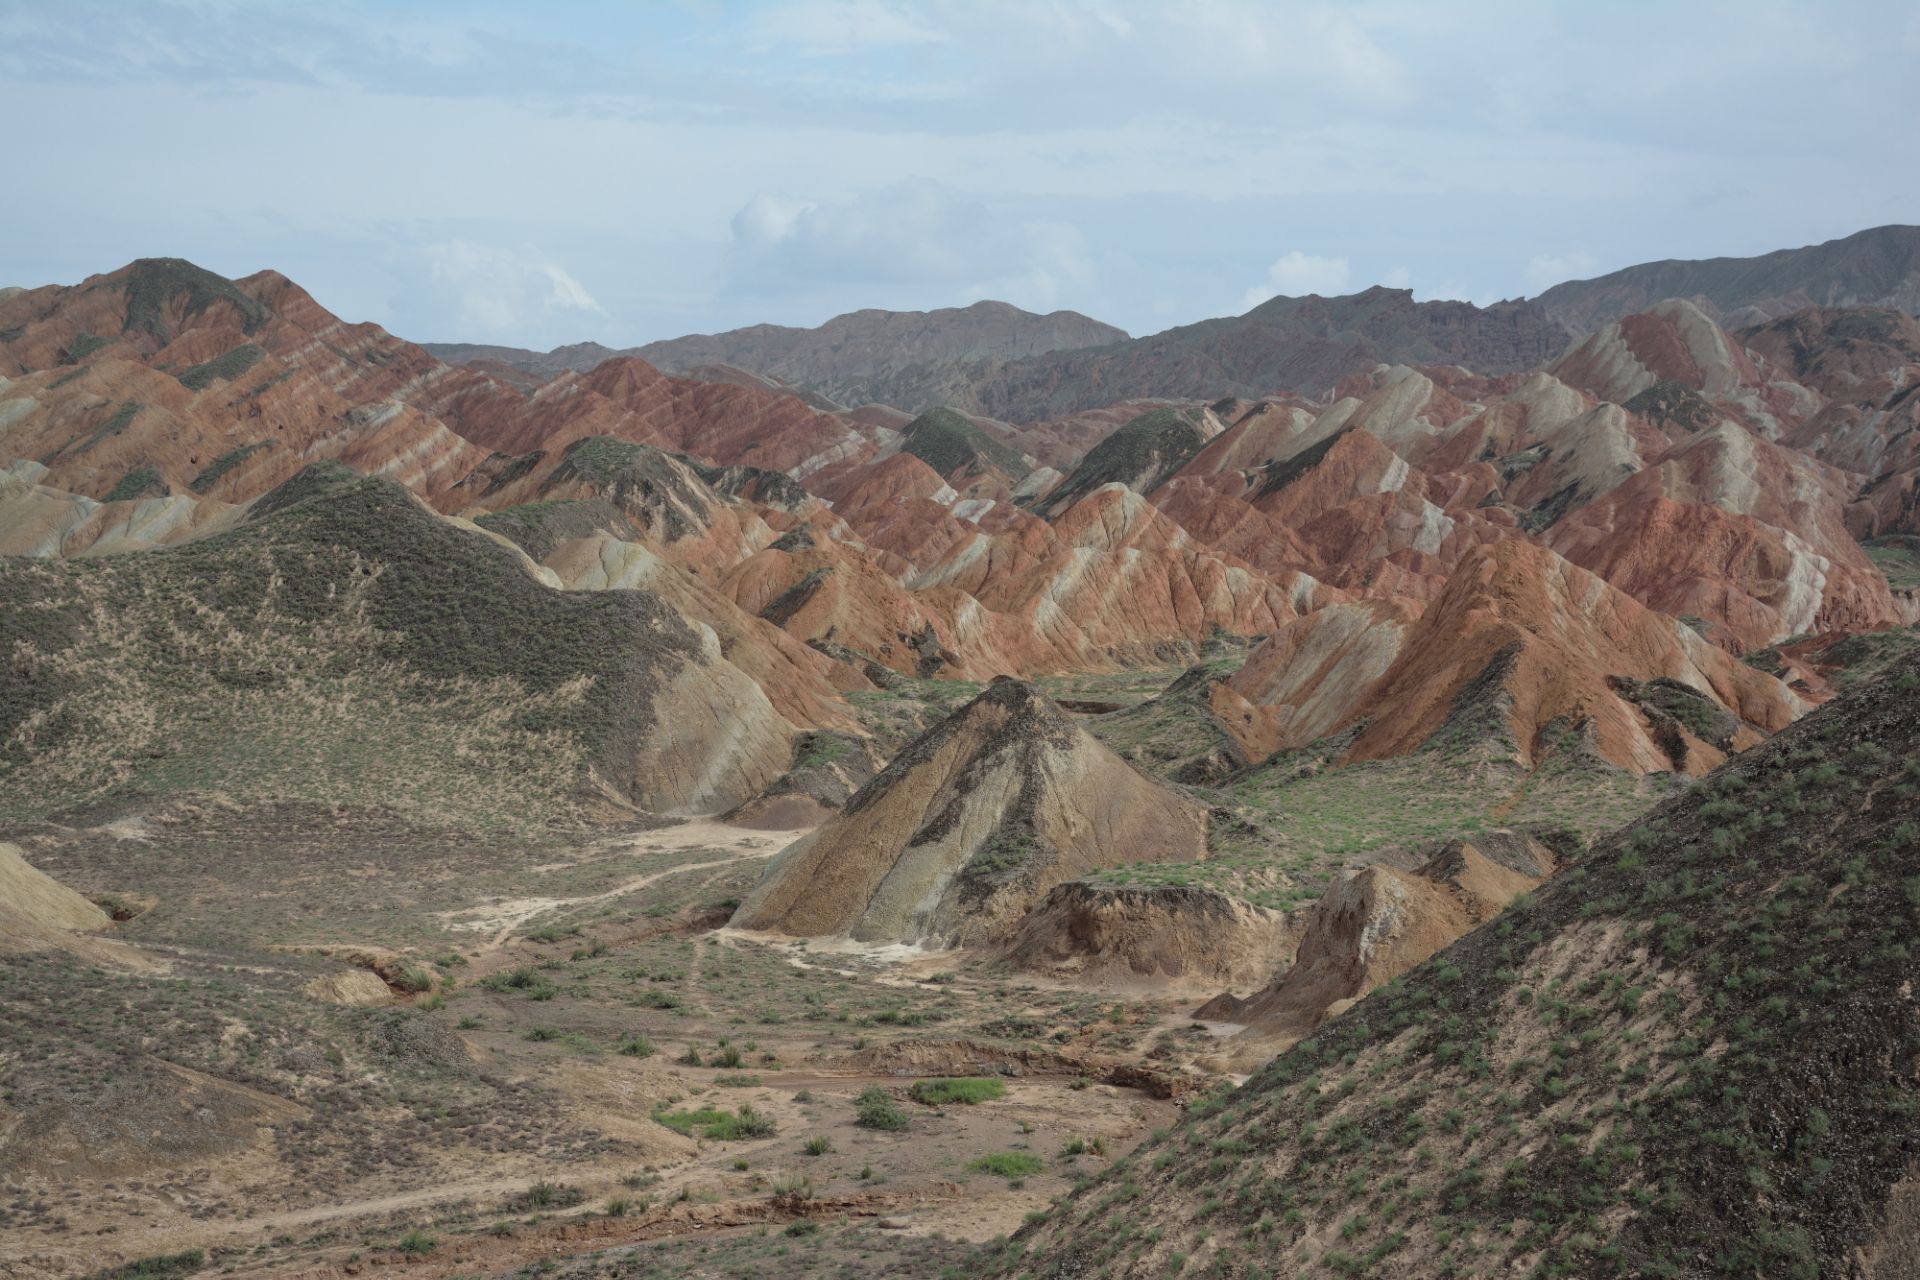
<point>1879,267</point>
<point>1693,1053</point>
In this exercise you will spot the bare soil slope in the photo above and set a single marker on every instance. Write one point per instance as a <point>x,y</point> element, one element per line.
<point>969,826</point>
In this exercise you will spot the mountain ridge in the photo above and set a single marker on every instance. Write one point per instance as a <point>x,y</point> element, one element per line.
<point>1877,267</point>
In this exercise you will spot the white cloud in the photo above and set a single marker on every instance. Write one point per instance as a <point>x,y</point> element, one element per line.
<point>1545,270</point>
<point>914,237</point>
<point>837,28</point>
<point>493,290</point>
<point>1296,274</point>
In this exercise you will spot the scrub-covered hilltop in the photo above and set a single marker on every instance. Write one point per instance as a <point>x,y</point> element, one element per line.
<point>1693,1053</point>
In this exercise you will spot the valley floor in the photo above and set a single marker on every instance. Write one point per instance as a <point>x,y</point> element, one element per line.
<point>568,1080</point>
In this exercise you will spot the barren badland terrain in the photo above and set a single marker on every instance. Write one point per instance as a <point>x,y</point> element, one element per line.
<point>1365,787</point>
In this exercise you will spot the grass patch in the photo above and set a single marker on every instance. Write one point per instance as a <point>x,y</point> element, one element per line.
<point>137,483</point>
<point>83,345</point>
<point>222,368</point>
<point>947,441</point>
<point>957,1089</point>
<point>1008,1164</point>
<point>719,1125</point>
<point>226,462</point>
<point>1898,557</point>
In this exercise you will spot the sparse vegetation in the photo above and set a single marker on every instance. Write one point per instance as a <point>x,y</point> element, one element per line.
<point>160,1266</point>
<point>947,441</point>
<point>139,482</point>
<point>217,470</point>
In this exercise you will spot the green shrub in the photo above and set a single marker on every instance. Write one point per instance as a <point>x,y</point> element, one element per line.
<point>818,1145</point>
<point>527,980</point>
<point>417,1242</point>
<point>546,1195</point>
<point>411,979</point>
<point>876,1109</point>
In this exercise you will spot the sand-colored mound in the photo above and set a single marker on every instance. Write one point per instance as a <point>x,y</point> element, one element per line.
<point>33,893</point>
<point>1171,938</point>
<point>38,913</point>
<point>155,1116</point>
<point>969,826</point>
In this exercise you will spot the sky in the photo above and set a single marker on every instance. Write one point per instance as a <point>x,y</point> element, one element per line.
<point>536,174</point>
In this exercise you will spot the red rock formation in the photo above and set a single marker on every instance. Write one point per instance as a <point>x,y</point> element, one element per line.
<point>1523,644</point>
<point>1744,534</point>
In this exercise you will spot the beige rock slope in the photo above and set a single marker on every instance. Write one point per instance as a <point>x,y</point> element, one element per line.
<point>38,913</point>
<point>970,826</point>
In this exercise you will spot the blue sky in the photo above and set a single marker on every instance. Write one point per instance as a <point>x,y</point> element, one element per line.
<point>538,174</point>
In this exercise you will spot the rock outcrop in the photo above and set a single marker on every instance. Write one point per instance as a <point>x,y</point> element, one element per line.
<point>1162,938</point>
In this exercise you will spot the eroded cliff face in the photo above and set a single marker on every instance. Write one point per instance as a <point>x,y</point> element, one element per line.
<point>1380,922</point>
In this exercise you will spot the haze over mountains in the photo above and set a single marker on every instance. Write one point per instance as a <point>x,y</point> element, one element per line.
<point>513,782</point>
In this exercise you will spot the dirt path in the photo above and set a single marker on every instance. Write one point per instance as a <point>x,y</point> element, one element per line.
<point>504,919</point>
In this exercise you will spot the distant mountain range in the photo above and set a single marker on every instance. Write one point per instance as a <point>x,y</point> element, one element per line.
<point>996,360</point>
<point>908,358</point>
<point>1875,268</point>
